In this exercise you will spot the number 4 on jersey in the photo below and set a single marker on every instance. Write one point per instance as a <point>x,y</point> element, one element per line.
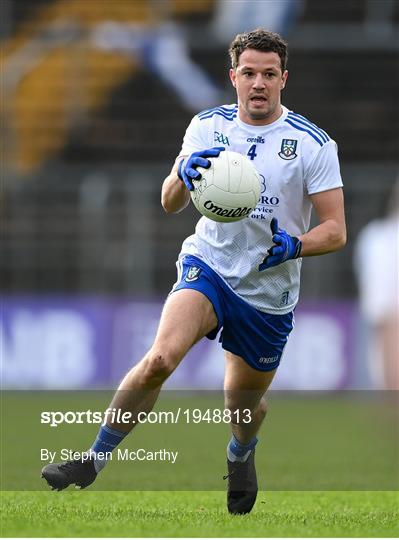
<point>252,152</point>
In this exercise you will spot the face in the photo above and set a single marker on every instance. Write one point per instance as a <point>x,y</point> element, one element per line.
<point>258,80</point>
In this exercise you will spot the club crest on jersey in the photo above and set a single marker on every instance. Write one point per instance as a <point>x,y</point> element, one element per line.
<point>288,149</point>
<point>193,273</point>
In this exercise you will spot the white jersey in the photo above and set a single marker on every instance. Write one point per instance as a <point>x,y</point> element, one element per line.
<point>295,159</point>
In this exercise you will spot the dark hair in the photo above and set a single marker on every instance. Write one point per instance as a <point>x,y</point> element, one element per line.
<point>260,40</point>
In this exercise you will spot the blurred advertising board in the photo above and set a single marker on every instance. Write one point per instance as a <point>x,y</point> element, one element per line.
<point>90,342</point>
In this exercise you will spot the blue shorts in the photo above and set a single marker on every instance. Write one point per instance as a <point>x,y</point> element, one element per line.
<point>258,337</point>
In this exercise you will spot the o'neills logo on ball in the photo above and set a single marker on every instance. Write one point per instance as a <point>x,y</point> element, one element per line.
<point>219,211</point>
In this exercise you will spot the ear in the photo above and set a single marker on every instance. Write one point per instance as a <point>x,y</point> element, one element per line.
<point>232,75</point>
<point>284,78</point>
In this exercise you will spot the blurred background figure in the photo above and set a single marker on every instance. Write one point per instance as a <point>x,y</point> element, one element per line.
<point>95,98</point>
<point>377,270</point>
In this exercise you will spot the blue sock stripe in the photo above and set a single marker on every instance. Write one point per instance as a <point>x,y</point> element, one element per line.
<point>107,439</point>
<point>114,432</point>
<point>239,449</point>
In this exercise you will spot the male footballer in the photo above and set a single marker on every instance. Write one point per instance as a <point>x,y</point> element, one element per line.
<point>239,278</point>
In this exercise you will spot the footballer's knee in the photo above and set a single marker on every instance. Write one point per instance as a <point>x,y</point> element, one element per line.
<point>158,366</point>
<point>262,408</point>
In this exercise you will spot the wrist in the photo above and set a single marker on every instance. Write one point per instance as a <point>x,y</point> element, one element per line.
<point>297,247</point>
<point>179,169</point>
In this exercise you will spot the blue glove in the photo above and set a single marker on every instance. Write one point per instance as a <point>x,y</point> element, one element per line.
<point>187,171</point>
<point>285,247</point>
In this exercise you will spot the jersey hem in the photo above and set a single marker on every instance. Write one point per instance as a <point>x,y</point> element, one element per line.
<point>325,189</point>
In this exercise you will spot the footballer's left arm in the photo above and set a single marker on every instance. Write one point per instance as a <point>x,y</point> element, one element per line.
<point>330,234</point>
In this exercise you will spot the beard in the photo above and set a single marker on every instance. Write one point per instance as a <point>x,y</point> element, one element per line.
<point>258,114</point>
<point>264,113</point>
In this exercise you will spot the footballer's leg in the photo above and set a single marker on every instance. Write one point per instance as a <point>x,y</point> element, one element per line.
<point>244,388</point>
<point>187,317</point>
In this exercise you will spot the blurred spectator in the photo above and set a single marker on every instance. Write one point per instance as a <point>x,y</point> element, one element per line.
<point>377,270</point>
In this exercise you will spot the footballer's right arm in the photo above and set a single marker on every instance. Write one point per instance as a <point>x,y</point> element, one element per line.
<point>175,196</point>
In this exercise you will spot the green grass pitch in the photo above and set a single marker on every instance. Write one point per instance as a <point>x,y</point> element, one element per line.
<point>327,467</point>
<point>198,514</point>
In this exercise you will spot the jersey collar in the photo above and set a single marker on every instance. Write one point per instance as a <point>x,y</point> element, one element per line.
<point>267,127</point>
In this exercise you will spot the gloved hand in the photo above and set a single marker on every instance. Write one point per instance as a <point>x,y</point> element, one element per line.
<point>285,247</point>
<point>187,171</point>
